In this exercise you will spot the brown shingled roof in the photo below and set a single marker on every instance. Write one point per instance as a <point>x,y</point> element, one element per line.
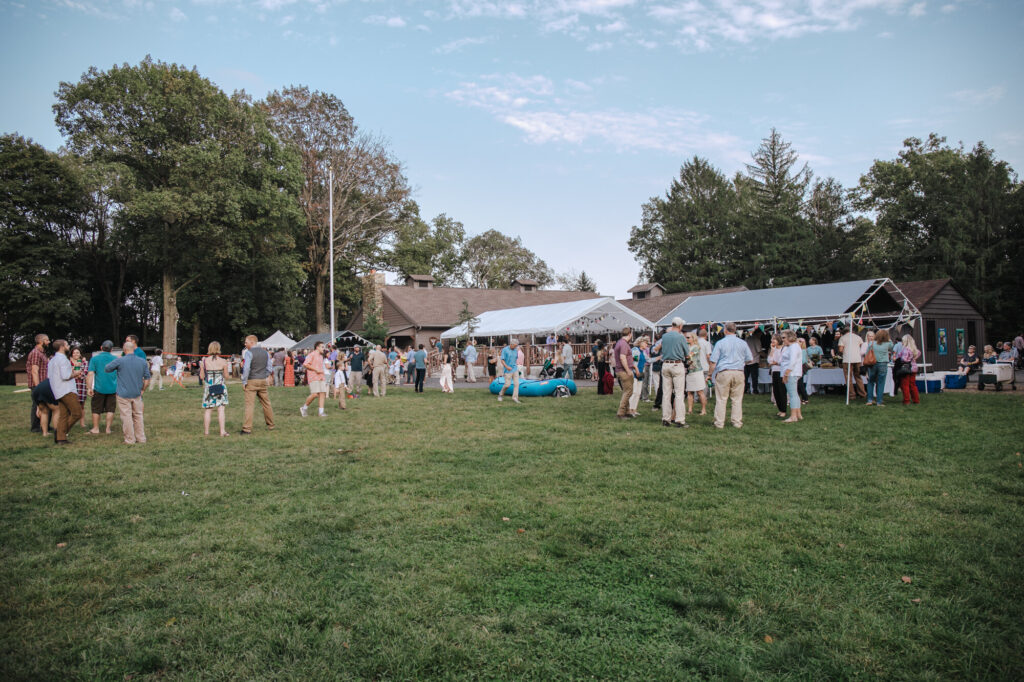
<point>920,293</point>
<point>643,287</point>
<point>440,306</point>
<point>657,307</point>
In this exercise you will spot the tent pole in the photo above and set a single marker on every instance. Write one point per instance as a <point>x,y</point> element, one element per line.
<point>924,361</point>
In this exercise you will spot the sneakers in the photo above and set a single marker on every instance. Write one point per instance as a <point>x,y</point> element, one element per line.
<point>304,411</point>
<point>499,398</point>
<point>322,414</point>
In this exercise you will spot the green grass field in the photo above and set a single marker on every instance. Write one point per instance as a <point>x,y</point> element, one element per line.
<point>373,543</point>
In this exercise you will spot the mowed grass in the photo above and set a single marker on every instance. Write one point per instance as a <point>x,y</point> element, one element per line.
<point>372,544</point>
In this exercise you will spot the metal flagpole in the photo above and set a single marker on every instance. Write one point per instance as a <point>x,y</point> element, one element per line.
<point>330,219</point>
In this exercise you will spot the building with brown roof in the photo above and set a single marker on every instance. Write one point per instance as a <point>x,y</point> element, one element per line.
<point>951,321</point>
<point>417,310</point>
<point>651,301</point>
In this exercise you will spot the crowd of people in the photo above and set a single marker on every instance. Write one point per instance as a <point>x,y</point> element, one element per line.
<point>676,372</point>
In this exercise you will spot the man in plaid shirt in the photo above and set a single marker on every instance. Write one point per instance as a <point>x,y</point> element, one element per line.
<point>35,365</point>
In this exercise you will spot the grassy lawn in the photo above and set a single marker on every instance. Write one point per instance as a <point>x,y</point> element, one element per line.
<point>373,543</point>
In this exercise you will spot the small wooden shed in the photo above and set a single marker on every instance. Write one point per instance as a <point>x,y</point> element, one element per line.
<point>951,321</point>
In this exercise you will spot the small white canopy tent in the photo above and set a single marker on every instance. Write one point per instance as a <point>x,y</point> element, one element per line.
<point>589,316</point>
<point>277,340</point>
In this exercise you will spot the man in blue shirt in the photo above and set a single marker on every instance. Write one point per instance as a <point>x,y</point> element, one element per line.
<point>132,377</point>
<point>674,350</point>
<point>508,363</point>
<point>135,341</point>
<point>355,370</point>
<point>420,358</point>
<point>470,355</point>
<point>102,387</point>
<point>727,362</point>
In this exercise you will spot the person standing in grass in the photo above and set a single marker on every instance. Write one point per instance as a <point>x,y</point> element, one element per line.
<point>674,351</point>
<point>470,355</point>
<point>908,378</point>
<point>36,366</point>
<point>510,369</point>
<point>792,369</point>
<point>62,382</point>
<point>420,363</point>
<point>640,360</point>
<point>81,369</point>
<point>355,367</point>
<point>132,377</point>
<point>446,374</point>
<point>878,372</point>
<point>625,371</point>
<point>728,359</point>
<point>696,384</point>
<point>213,371</point>
<point>567,358</point>
<point>379,366</point>
<point>156,366</point>
<point>775,356</point>
<point>102,387</point>
<point>850,347</point>
<point>315,377</point>
<point>255,370</point>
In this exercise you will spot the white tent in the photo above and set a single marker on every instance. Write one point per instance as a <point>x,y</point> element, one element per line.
<point>589,316</point>
<point>277,340</point>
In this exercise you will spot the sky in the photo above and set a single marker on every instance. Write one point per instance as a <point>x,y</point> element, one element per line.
<point>555,120</point>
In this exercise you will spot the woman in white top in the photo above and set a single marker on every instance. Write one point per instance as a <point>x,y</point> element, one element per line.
<point>775,354</point>
<point>792,370</point>
<point>446,374</point>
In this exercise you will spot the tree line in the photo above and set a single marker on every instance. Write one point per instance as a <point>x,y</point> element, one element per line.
<point>175,207</point>
<point>935,211</point>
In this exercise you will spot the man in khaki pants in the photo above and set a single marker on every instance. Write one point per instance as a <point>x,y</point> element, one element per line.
<point>674,351</point>
<point>379,365</point>
<point>255,373</point>
<point>132,378</point>
<point>727,362</point>
<point>625,371</point>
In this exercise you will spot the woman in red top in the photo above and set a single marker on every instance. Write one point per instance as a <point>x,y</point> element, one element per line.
<point>289,369</point>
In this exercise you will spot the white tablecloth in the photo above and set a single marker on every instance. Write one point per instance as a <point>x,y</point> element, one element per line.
<point>834,376</point>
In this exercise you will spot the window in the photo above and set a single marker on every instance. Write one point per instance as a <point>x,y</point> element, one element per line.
<point>929,332</point>
<point>972,333</point>
<point>423,285</point>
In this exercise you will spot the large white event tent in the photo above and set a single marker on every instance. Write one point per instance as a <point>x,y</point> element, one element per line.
<point>277,340</point>
<point>861,303</point>
<point>590,316</point>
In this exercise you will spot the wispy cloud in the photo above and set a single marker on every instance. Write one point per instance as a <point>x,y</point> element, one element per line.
<point>980,97</point>
<point>545,114</point>
<point>460,44</point>
<point>380,20</point>
<point>177,15</point>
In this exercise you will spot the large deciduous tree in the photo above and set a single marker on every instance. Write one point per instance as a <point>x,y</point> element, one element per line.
<point>203,177</point>
<point>434,248</point>
<point>947,212</point>
<point>494,260</point>
<point>370,188</point>
<point>40,200</point>
<point>686,238</point>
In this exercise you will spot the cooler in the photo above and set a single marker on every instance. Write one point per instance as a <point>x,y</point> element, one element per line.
<point>955,381</point>
<point>934,384</point>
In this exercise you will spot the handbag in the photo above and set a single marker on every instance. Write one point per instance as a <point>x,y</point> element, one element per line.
<point>869,357</point>
<point>215,390</point>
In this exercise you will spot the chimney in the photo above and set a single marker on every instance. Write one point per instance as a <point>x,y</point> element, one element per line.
<point>373,292</point>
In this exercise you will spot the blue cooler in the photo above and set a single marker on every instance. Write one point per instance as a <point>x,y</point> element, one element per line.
<point>956,381</point>
<point>934,386</point>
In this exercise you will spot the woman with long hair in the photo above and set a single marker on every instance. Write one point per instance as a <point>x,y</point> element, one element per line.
<point>792,369</point>
<point>775,353</point>
<point>908,372</point>
<point>79,364</point>
<point>695,383</point>
<point>878,371</point>
<point>212,372</point>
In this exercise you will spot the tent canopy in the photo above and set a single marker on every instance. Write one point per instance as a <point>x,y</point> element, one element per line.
<point>589,316</point>
<point>811,303</point>
<point>344,339</point>
<point>277,340</point>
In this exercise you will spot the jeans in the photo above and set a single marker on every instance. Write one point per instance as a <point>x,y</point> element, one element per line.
<point>567,367</point>
<point>791,390</point>
<point>876,381</point>
<point>751,375</point>
<point>420,375</point>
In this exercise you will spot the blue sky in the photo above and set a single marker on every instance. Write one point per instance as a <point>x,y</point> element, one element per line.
<point>555,120</point>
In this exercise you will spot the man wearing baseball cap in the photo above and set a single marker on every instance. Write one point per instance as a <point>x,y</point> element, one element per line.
<point>674,351</point>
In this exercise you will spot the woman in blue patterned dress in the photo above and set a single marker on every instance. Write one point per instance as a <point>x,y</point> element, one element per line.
<point>212,372</point>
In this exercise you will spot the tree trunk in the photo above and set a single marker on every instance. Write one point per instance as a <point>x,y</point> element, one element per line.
<point>321,304</point>
<point>170,317</point>
<point>195,335</point>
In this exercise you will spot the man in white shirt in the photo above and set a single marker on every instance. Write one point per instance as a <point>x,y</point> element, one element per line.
<point>62,383</point>
<point>850,346</point>
<point>567,359</point>
<point>156,364</point>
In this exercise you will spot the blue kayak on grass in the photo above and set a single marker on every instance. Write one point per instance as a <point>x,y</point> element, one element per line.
<point>534,387</point>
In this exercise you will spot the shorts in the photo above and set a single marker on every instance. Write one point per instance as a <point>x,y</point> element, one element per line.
<point>104,403</point>
<point>317,387</point>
